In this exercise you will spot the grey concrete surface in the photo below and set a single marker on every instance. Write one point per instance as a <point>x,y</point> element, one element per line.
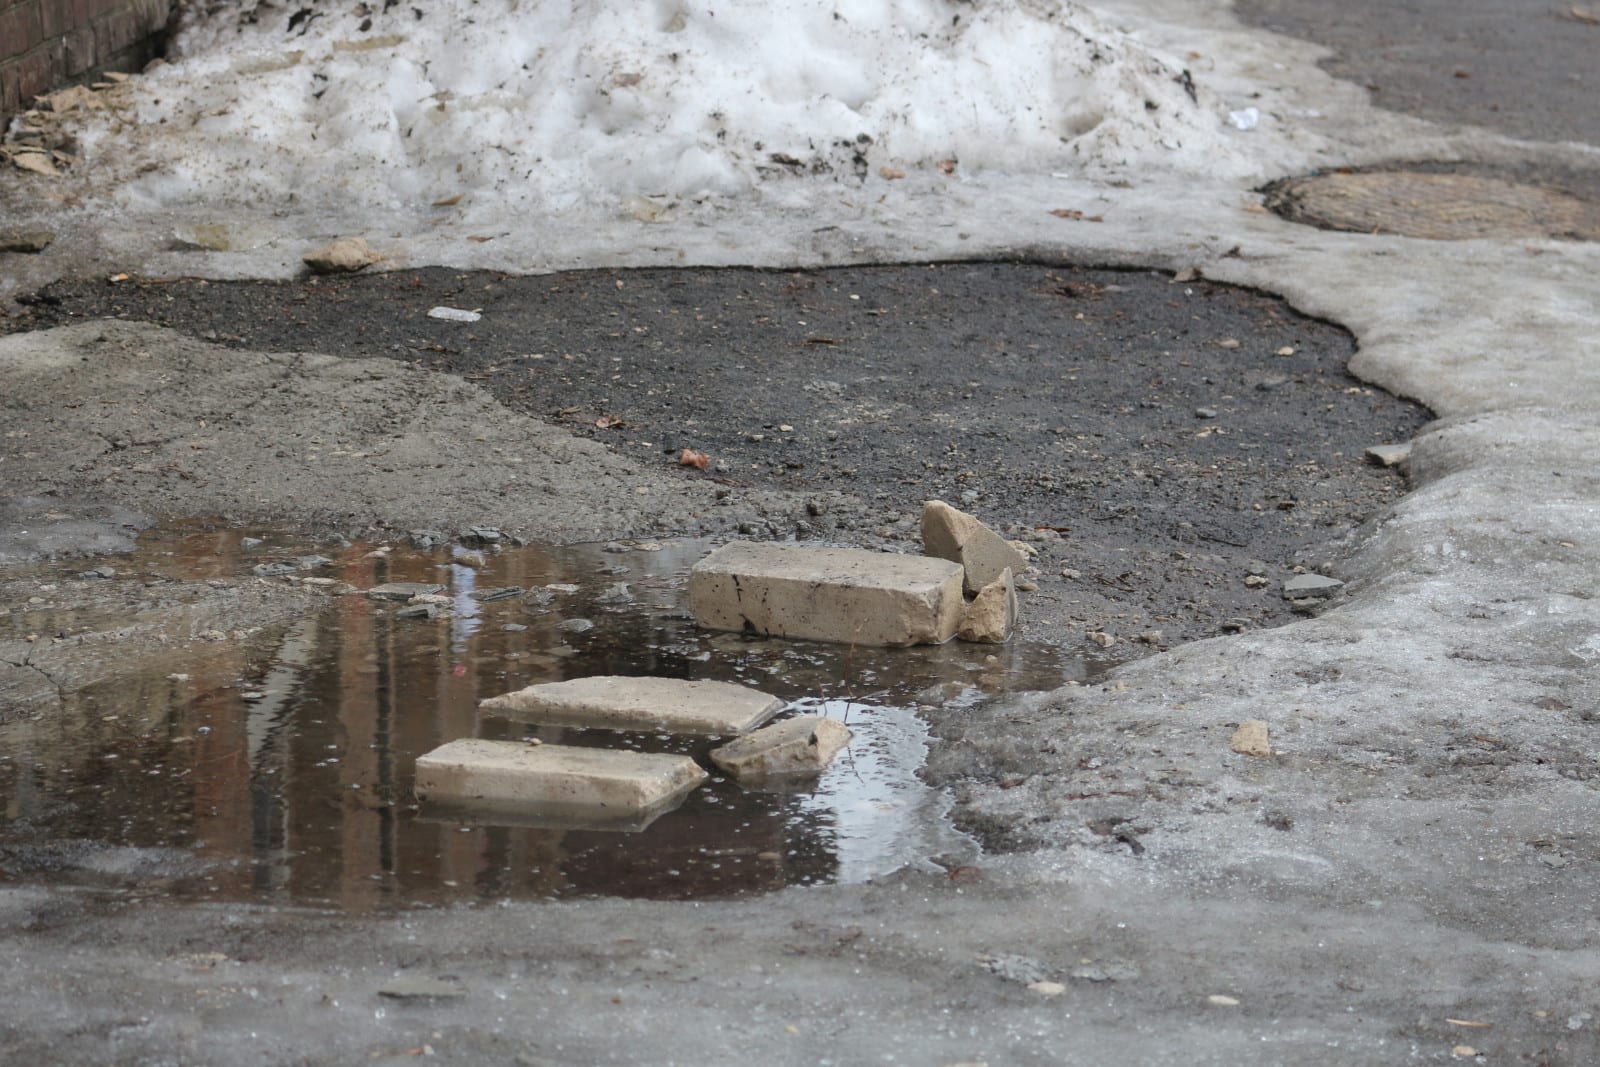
<point>1409,879</point>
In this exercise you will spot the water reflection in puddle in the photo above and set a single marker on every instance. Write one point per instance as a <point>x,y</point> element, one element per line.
<point>289,778</point>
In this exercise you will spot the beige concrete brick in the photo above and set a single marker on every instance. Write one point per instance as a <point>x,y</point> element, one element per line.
<point>798,746</point>
<point>614,702</point>
<point>952,534</point>
<point>564,780</point>
<point>827,594</point>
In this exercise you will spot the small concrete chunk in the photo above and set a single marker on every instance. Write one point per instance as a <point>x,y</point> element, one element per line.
<point>992,614</point>
<point>847,595</point>
<point>616,783</point>
<point>403,590</point>
<point>1251,739</point>
<point>344,256</point>
<point>952,534</point>
<point>613,702</point>
<point>27,243</point>
<point>1310,585</point>
<point>1389,455</point>
<point>803,745</point>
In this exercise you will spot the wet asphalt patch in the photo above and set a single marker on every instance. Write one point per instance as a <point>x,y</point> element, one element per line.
<point>1174,449</point>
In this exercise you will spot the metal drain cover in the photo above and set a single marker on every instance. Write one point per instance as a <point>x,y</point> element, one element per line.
<point>1440,207</point>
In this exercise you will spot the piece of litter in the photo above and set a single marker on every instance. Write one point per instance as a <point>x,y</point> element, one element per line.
<point>1047,989</point>
<point>1223,1001</point>
<point>453,314</point>
<point>1246,119</point>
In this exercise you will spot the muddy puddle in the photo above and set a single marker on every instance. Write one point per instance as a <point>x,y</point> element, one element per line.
<point>277,767</point>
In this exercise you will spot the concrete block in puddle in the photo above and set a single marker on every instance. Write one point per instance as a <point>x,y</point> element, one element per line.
<point>950,533</point>
<point>615,702</point>
<point>565,780</point>
<point>799,746</point>
<point>848,595</point>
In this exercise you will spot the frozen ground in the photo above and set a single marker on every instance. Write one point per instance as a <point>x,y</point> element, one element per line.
<point>1409,879</point>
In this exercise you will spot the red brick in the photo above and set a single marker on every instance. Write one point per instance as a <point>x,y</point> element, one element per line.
<point>37,72</point>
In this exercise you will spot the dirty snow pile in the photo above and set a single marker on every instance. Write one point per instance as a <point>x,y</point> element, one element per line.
<point>558,105</point>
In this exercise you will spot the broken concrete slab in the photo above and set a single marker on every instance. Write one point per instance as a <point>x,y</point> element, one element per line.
<point>950,533</point>
<point>616,702</point>
<point>559,779</point>
<point>1302,586</point>
<point>846,595</point>
<point>992,614</point>
<point>799,746</point>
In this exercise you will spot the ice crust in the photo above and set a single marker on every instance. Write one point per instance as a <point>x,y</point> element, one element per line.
<point>557,106</point>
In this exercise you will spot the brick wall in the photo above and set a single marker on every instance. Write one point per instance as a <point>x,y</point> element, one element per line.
<point>47,44</point>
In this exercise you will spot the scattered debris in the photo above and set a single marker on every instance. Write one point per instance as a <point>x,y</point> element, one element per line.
<point>1076,216</point>
<point>278,568</point>
<point>1047,989</point>
<point>504,592</point>
<point>1251,739</point>
<point>344,256</point>
<point>1245,119</point>
<point>891,173</point>
<point>793,747</point>
<point>449,314</point>
<point>403,590</point>
<point>690,458</point>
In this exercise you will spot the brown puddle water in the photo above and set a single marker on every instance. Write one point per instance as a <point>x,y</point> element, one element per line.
<point>286,776</point>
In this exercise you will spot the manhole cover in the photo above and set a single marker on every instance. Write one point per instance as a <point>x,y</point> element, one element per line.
<point>1440,207</point>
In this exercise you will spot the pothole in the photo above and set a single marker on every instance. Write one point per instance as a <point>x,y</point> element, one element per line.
<point>277,767</point>
<point>1435,206</point>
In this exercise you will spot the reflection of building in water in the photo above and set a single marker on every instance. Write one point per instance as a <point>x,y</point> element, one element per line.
<point>304,791</point>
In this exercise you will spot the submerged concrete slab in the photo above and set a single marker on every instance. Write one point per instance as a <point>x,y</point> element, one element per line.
<point>798,746</point>
<point>950,533</point>
<point>559,779</point>
<point>615,702</point>
<point>827,594</point>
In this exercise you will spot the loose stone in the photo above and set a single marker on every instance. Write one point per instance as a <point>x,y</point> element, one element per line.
<point>1251,739</point>
<point>992,614</point>
<point>1389,455</point>
<point>344,256</point>
<point>952,534</point>
<point>799,746</point>
<point>1310,585</point>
